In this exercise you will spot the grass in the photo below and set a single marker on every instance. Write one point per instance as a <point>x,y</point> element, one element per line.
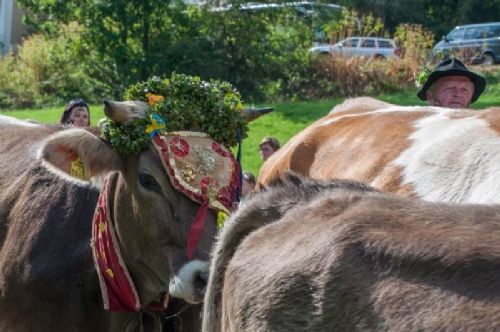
<point>287,119</point>
<point>52,114</point>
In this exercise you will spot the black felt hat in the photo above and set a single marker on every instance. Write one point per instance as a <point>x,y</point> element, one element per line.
<point>453,67</point>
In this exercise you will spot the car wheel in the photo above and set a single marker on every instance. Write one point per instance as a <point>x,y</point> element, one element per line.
<point>379,57</point>
<point>488,59</point>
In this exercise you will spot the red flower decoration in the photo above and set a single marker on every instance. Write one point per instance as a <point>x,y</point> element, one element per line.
<point>223,152</point>
<point>179,147</point>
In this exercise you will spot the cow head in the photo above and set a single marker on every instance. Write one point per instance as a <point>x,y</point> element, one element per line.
<point>152,219</point>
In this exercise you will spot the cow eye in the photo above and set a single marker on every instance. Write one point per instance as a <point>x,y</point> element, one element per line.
<point>147,181</point>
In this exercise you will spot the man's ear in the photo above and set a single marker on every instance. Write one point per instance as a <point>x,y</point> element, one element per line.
<point>79,155</point>
<point>429,96</point>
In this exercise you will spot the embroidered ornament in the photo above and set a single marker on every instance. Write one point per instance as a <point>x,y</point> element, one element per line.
<point>186,157</point>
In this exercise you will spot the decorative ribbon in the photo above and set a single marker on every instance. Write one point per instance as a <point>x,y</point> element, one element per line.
<point>157,124</point>
<point>117,288</point>
<point>196,229</point>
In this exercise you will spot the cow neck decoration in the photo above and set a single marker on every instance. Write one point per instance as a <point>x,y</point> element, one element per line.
<point>117,288</point>
<point>198,167</point>
<point>201,169</point>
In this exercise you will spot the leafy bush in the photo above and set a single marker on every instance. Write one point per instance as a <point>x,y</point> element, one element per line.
<point>351,23</point>
<point>415,42</point>
<point>16,83</point>
<point>331,76</point>
<point>48,71</point>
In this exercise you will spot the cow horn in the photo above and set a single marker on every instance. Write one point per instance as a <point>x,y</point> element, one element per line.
<point>251,114</point>
<point>125,112</point>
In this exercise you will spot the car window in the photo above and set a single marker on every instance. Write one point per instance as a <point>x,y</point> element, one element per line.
<point>476,33</point>
<point>368,43</point>
<point>456,34</point>
<point>384,44</point>
<point>350,43</point>
<point>493,31</point>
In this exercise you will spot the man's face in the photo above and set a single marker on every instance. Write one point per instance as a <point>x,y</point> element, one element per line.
<point>451,91</point>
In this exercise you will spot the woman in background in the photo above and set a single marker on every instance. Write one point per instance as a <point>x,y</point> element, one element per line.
<point>76,113</point>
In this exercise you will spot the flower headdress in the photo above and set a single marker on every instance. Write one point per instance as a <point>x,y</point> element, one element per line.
<point>180,103</point>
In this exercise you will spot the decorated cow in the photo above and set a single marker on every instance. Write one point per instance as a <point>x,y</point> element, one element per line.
<point>121,218</point>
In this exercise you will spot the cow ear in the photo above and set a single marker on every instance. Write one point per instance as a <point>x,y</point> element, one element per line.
<point>79,155</point>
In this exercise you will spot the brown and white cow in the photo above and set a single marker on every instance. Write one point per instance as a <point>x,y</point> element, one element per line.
<point>306,255</point>
<point>47,277</point>
<point>437,154</point>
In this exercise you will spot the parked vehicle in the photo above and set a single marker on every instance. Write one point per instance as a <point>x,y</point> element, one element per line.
<point>302,7</point>
<point>314,14</point>
<point>359,46</point>
<point>478,43</point>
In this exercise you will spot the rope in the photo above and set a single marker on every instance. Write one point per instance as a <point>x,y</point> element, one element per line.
<point>238,159</point>
<point>136,322</point>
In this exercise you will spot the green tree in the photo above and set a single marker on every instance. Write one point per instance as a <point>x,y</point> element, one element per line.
<point>127,34</point>
<point>136,39</point>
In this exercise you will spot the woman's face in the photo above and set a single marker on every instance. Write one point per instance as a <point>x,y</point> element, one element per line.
<point>79,116</point>
<point>266,151</point>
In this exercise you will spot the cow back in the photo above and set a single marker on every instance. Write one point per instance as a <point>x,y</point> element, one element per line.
<point>352,259</point>
<point>433,153</point>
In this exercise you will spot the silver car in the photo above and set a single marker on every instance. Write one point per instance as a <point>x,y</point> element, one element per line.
<point>359,46</point>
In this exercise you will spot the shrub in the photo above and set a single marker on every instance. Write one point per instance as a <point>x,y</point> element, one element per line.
<point>415,42</point>
<point>331,76</point>
<point>16,83</point>
<point>352,24</point>
<point>48,71</point>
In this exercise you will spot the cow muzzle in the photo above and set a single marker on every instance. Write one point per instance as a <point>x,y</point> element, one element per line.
<point>190,282</point>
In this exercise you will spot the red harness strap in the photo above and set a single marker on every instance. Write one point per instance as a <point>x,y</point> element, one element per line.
<point>117,288</point>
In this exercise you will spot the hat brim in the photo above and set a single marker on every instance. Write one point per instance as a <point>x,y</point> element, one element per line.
<point>478,81</point>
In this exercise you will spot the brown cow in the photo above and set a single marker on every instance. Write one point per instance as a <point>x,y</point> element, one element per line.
<point>48,281</point>
<point>433,153</point>
<point>305,255</point>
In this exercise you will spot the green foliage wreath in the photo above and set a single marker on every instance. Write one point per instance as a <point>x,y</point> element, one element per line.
<point>421,77</point>
<point>185,103</point>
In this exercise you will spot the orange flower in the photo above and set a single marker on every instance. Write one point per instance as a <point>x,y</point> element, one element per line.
<point>153,99</point>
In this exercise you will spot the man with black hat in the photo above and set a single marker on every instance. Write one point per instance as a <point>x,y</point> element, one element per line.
<point>452,85</point>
